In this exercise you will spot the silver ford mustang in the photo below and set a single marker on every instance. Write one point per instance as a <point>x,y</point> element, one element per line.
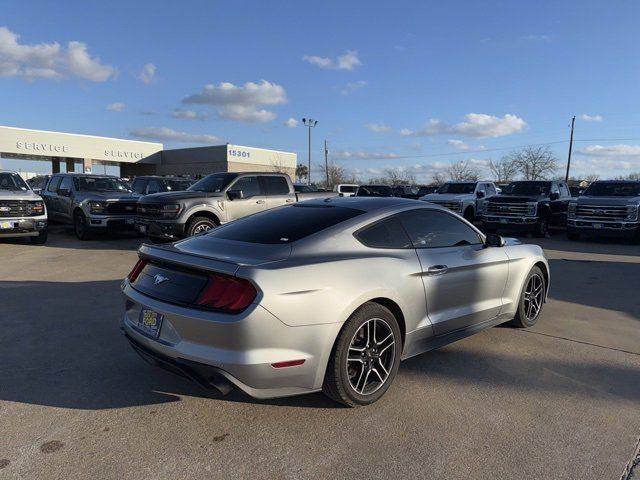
<point>325,295</point>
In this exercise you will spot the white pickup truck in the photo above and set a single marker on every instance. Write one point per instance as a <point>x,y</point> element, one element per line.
<point>22,212</point>
<point>464,198</point>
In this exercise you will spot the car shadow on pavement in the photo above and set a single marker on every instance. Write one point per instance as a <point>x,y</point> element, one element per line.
<point>61,346</point>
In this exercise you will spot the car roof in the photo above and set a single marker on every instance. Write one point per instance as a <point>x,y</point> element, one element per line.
<point>366,204</point>
<point>92,175</point>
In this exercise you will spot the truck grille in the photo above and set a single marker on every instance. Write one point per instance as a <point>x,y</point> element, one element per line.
<point>596,212</point>
<point>121,208</point>
<point>455,206</point>
<point>507,209</point>
<point>151,210</point>
<point>14,208</point>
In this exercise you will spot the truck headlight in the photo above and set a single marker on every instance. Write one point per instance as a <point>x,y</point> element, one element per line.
<point>632,213</point>
<point>97,207</point>
<point>170,210</point>
<point>36,208</point>
<point>532,209</point>
<point>571,212</point>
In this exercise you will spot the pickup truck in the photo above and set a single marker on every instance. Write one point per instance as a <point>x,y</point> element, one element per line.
<point>606,208</point>
<point>22,212</point>
<point>464,198</point>
<point>214,200</point>
<point>91,203</point>
<point>527,206</point>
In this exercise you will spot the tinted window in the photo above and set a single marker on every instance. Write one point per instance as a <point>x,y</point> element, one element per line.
<point>374,191</point>
<point>250,186</point>
<point>53,184</point>
<point>214,183</point>
<point>527,188</point>
<point>284,225</point>
<point>277,185</point>
<point>100,184</point>
<point>348,188</point>
<point>457,188</point>
<point>433,229</point>
<point>67,183</point>
<point>176,185</point>
<point>139,184</point>
<point>613,189</point>
<point>12,181</point>
<point>387,233</point>
<point>154,186</point>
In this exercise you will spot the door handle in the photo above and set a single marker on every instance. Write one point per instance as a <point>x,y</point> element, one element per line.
<point>289,200</point>
<point>437,270</point>
<point>260,201</point>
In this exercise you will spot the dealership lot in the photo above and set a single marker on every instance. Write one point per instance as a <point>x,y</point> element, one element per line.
<point>560,400</point>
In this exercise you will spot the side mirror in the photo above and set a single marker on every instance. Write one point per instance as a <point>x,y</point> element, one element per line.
<point>64,192</point>
<point>554,196</point>
<point>494,240</point>
<point>235,194</point>
<point>480,194</point>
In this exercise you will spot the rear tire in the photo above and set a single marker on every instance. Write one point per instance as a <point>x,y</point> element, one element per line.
<point>41,239</point>
<point>469,215</point>
<point>365,357</point>
<point>532,297</point>
<point>542,227</point>
<point>198,225</point>
<point>80,227</point>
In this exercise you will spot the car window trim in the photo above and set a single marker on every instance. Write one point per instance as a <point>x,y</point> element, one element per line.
<point>455,217</point>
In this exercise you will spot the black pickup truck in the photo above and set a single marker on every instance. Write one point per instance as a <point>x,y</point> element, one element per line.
<point>527,206</point>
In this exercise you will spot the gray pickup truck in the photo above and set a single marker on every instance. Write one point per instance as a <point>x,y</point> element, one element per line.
<point>22,212</point>
<point>91,203</point>
<point>606,208</point>
<point>214,200</point>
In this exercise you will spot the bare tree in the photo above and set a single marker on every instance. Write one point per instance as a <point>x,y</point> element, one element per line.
<point>337,174</point>
<point>534,163</point>
<point>439,178</point>
<point>634,176</point>
<point>302,171</point>
<point>504,170</point>
<point>394,176</point>
<point>461,170</point>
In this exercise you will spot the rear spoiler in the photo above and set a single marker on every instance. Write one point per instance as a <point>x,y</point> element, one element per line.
<point>169,254</point>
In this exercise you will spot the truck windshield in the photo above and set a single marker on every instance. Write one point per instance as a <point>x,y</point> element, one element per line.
<point>613,189</point>
<point>527,188</point>
<point>176,185</point>
<point>214,183</point>
<point>100,184</point>
<point>457,188</point>
<point>374,191</point>
<point>12,181</point>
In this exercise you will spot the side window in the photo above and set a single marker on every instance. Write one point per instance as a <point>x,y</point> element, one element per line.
<point>249,186</point>
<point>154,186</point>
<point>434,229</point>
<point>139,185</point>
<point>554,188</point>
<point>481,188</point>
<point>67,183</point>
<point>276,185</point>
<point>564,190</point>
<point>491,190</point>
<point>53,184</point>
<point>387,233</point>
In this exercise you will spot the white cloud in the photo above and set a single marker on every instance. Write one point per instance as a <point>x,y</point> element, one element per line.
<point>474,125</point>
<point>189,114</point>
<point>348,61</point>
<point>291,123</point>
<point>621,150</point>
<point>353,86</point>
<point>164,134</point>
<point>241,103</point>
<point>359,155</point>
<point>49,60</point>
<point>148,73</point>
<point>607,161</point>
<point>460,145</point>
<point>591,118</point>
<point>377,127</point>
<point>116,107</point>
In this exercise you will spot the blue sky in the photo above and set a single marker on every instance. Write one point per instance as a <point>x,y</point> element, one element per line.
<point>411,85</point>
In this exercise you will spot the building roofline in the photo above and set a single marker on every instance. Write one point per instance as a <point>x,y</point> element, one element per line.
<point>83,135</point>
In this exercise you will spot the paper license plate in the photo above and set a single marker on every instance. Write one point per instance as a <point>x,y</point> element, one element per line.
<point>130,221</point>
<point>142,228</point>
<point>6,225</point>
<point>597,225</point>
<point>504,220</point>
<point>150,322</point>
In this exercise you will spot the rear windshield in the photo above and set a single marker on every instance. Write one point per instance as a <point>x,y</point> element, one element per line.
<point>284,225</point>
<point>613,189</point>
<point>177,185</point>
<point>348,188</point>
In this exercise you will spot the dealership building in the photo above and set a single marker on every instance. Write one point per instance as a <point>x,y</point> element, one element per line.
<point>38,151</point>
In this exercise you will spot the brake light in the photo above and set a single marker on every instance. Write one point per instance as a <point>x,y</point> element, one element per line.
<point>290,363</point>
<point>137,268</point>
<point>230,294</point>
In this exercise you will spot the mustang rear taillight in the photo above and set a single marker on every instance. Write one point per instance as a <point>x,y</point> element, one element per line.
<point>137,268</point>
<point>228,294</point>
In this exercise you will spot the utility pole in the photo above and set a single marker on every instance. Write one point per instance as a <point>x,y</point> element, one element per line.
<point>308,122</point>
<point>326,162</point>
<point>573,121</point>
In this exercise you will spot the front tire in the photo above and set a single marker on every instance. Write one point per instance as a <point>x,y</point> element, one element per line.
<point>531,300</point>
<point>365,357</point>
<point>80,227</point>
<point>198,225</point>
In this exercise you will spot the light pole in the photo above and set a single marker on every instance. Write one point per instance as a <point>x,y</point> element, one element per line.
<point>308,122</point>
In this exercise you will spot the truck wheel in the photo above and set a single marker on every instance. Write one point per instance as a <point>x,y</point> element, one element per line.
<point>40,239</point>
<point>542,227</point>
<point>531,299</point>
<point>80,227</point>
<point>574,237</point>
<point>469,215</point>
<point>198,225</point>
